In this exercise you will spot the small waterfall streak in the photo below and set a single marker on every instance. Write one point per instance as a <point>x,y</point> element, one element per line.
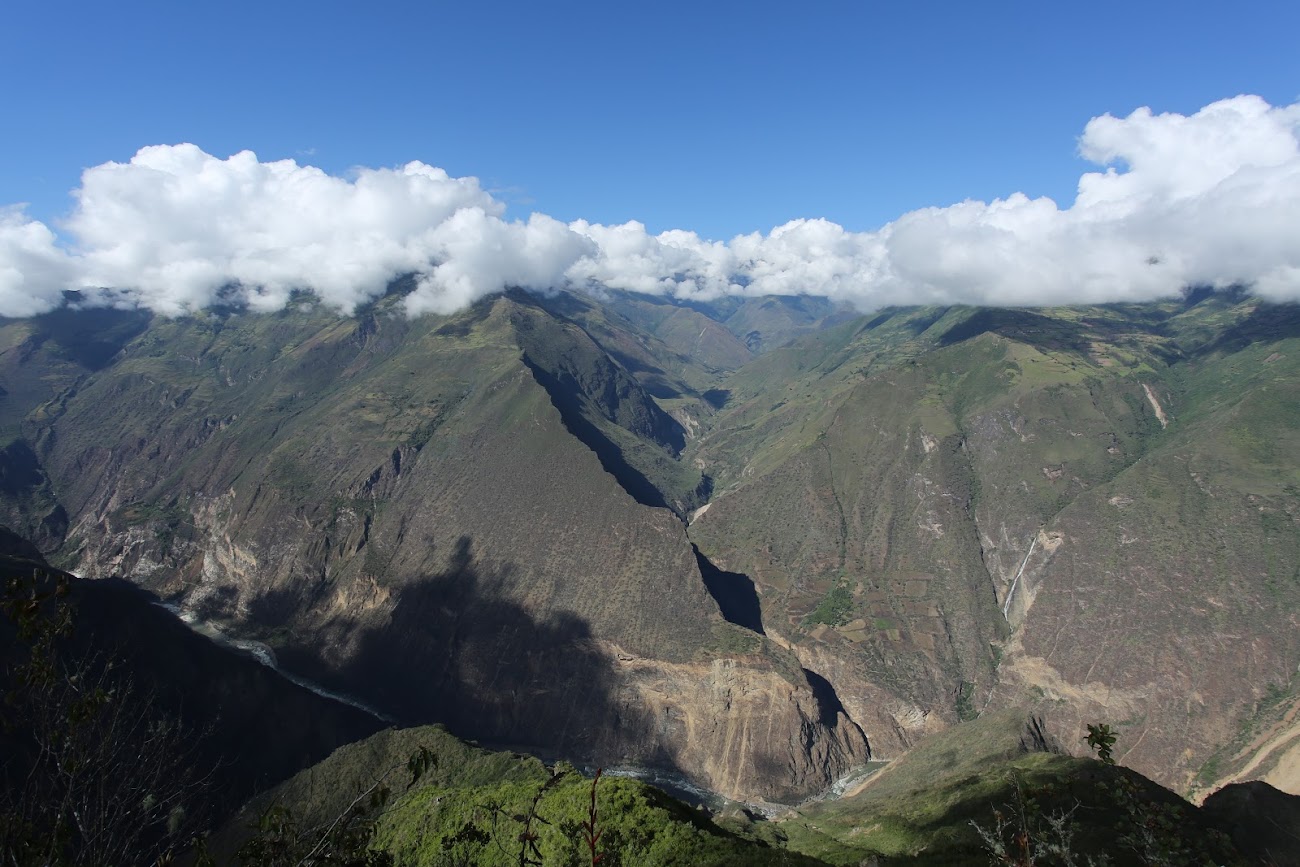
<point>1006,605</point>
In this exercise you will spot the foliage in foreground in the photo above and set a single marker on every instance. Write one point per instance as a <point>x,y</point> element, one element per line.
<point>91,773</point>
<point>109,781</point>
<point>518,822</point>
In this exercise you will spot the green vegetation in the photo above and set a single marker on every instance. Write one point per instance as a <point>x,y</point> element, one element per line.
<point>735,640</point>
<point>888,475</point>
<point>638,825</point>
<point>988,791</point>
<point>92,772</point>
<point>1102,740</point>
<point>965,705</point>
<point>835,608</point>
<point>477,807</point>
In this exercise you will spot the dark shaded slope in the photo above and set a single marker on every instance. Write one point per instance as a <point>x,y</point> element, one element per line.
<point>89,338</point>
<point>589,375</point>
<point>1262,822</point>
<point>604,405</point>
<point>27,498</point>
<point>568,400</point>
<point>457,650</point>
<point>922,809</point>
<point>735,594</point>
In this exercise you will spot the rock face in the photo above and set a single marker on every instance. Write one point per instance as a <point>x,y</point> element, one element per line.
<point>749,727</point>
<point>500,519</point>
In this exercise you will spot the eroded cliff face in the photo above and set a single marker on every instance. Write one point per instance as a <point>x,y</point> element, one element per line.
<point>1091,514</point>
<point>1126,617</point>
<point>751,729</point>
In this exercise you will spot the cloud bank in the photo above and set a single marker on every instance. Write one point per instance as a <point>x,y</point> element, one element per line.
<point>1207,199</point>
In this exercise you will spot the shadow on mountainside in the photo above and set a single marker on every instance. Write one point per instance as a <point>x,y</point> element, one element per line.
<point>566,399</point>
<point>244,726</point>
<point>1265,324</point>
<point>734,592</point>
<point>461,649</point>
<point>89,337</point>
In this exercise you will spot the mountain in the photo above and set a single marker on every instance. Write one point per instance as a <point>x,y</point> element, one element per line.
<point>757,542</point>
<point>1001,778</point>
<point>470,808</point>
<point>1090,509</point>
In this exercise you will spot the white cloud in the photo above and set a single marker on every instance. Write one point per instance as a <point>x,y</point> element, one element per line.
<point>33,270</point>
<point>175,226</point>
<point>481,253</point>
<point>1211,198</point>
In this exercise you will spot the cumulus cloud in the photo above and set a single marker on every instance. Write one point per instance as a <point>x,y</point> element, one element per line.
<point>1211,198</point>
<point>33,270</point>
<point>480,253</point>
<point>180,229</point>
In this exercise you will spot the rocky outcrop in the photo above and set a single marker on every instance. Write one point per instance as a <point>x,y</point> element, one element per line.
<point>740,727</point>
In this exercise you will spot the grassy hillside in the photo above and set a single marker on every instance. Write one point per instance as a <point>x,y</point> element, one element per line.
<point>952,509</point>
<point>473,804</point>
<point>996,782</point>
<point>931,806</point>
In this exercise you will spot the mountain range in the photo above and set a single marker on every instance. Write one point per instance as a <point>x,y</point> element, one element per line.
<point>756,542</point>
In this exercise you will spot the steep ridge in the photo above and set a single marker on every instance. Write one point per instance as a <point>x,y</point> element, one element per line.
<point>928,808</point>
<point>246,725</point>
<point>932,806</point>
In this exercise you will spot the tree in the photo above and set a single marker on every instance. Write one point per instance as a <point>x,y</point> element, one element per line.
<point>1102,739</point>
<point>342,840</point>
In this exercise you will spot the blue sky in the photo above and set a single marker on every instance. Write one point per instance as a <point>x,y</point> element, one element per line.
<point>717,117</point>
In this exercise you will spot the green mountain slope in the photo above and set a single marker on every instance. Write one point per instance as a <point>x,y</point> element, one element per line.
<point>997,779</point>
<point>1128,471</point>
<point>491,793</point>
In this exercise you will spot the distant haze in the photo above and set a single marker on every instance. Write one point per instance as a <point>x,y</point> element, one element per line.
<point>1207,199</point>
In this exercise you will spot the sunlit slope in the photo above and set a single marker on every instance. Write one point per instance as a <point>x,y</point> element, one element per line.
<point>924,808</point>
<point>446,817</point>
